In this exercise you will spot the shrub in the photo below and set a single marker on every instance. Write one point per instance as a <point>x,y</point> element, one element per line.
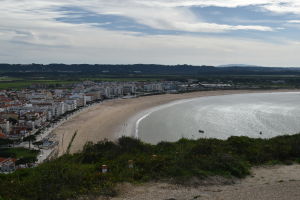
<point>80,173</point>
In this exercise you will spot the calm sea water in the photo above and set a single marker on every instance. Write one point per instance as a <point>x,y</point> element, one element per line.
<point>220,117</point>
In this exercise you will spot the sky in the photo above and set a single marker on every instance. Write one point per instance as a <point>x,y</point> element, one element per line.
<point>171,32</point>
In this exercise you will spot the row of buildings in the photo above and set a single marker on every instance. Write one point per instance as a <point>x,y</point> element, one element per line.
<point>27,109</point>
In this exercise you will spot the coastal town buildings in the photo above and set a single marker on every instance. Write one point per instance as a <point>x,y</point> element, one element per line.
<point>25,110</point>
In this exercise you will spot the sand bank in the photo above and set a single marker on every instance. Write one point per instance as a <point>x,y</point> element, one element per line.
<point>107,120</point>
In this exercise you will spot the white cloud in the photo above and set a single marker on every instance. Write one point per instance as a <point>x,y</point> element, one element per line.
<point>31,33</point>
<point>294,21</point>
<point>278,6</point>
<point>165,18</point>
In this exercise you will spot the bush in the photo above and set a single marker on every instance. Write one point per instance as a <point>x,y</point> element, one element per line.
<point>8,155</point>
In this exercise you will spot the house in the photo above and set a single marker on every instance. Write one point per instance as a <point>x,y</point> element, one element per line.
<point>37,117</point>
<point>79,89</point>
<point>7,165</point>
<point>2,136</point>
<point>18,132</point>
<point>38,85</point>
<point>12,115</point>
<point>7,102</point>
<point>87,83</point>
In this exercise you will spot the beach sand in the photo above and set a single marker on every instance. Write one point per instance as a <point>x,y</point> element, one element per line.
<point>107,120</point>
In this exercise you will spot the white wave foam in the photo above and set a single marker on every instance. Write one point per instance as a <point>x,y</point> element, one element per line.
<point>168,105</point>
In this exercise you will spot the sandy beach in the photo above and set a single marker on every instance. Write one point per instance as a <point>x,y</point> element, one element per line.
<point>107,120</point>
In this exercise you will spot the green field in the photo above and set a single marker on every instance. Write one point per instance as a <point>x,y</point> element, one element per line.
<point>22,83</point>
<point>25,83</point>
<point>20,152</point>
<point>264,81</point>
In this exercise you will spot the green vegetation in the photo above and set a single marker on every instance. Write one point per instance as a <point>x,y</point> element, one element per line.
<point>18,152</point>
<point>80,174</point>
<point>264,81</point>
<point>19,84</point>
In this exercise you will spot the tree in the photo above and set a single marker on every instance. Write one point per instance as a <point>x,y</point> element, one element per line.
<point>13,121</point>
<point>38,143</point>
<point>5,142</point>
<point>30,139</point>
<point>29,159</point>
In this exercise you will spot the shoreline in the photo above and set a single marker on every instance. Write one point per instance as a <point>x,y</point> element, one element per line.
<point>113,119</point>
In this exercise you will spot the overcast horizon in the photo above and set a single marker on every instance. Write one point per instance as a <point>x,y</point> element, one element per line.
<point>169,32</point>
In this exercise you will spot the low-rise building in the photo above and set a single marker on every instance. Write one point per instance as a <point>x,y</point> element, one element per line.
<point>7,165</point>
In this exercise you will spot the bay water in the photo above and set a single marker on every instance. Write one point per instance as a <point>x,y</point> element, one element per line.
<point>220,117</point>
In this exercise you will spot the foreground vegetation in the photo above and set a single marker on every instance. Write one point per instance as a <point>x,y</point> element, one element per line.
<point>81,173</point>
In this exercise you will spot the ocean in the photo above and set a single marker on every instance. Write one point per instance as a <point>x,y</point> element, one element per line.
<point>260,115</point>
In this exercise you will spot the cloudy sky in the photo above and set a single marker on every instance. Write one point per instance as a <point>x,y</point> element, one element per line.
<point>197,32</point>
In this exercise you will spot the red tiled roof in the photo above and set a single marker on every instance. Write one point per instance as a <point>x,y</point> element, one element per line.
<point>6,100</point>
<point>2,135</point>
<point>12,113</point>
<point>4,160</point>
<point>5,106</point>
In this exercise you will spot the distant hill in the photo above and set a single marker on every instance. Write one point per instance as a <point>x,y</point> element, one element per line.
<point>87,69</point>
<point>238,65</point>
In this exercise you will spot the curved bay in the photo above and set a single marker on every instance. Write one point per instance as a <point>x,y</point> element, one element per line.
<point>220,117</point>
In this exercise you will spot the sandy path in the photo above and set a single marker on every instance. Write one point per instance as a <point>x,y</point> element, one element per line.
<point>106,120</point>
<point>266,182</point>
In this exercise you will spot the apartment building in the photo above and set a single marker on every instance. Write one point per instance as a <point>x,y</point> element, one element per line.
<point>80,99</point>
<point>153,87</point>
<point>71,104</point>
<point>129,89</point>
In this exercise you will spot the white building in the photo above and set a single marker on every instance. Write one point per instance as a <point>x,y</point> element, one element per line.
<point>81,99</point>
<point>153,87</point>
<point>72,104</point>
<point>129,89</point>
